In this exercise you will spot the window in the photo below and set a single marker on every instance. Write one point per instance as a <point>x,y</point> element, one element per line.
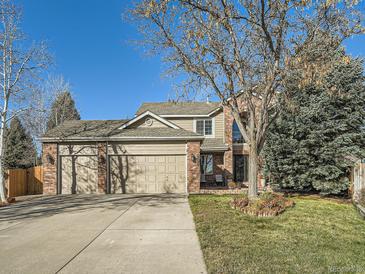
<point>204,127</point>
<point>237,137</point>
<point>206,164</point>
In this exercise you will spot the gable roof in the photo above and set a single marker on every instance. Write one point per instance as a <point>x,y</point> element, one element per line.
<point>84,128</point>
<point>163,132</point>
<point>179,108</point>
<point>149,113</point>
<point>105,130</point>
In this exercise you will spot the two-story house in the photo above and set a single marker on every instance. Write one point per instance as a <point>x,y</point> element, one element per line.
<point>166,148</point>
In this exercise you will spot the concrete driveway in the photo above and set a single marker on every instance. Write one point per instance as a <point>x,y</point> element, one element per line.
<point>100,234</point>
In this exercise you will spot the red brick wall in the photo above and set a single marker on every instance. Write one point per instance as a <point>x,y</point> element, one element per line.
<point>228,155</point>
<point>102,170</point>
<point>193,167</point>
<point>49,160</point>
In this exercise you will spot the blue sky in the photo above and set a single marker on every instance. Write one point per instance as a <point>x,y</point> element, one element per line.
<point>110,77</point>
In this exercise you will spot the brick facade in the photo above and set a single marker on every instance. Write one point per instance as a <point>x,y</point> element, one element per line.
<point>228,155</point>
<point>49,160</point>
<point>102,169</point>
<point>193,166</point>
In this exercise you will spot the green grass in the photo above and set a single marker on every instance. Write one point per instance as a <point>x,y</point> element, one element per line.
<point>315,236</point>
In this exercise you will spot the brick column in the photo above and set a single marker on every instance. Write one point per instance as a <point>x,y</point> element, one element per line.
<point>193,166</point>
<point>102,158</point>
<point>49,162</point>
<point>228,155</point>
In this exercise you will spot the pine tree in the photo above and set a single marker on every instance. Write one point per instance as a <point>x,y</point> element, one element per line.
<point>63,109</point>
<point>314,142</point>
<point>20,151</point>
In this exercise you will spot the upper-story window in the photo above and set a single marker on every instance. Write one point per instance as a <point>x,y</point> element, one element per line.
<point>204,127</point>
<point>237,137</point>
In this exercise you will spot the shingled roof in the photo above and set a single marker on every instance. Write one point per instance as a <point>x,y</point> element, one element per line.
<point>213,144</point>
<point>155,132</point>
<point>179,108</point>
<point>109,129</point>
<point>84,128</point>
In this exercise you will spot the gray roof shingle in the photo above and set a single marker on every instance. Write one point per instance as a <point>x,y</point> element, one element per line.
<point>210,143</point>
<point>110,129</point>
<point>155,132</point>
<point>179,108</point>
<point>84,128</point>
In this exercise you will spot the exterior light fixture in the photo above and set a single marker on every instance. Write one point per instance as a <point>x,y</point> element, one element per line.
<point>50,159</point>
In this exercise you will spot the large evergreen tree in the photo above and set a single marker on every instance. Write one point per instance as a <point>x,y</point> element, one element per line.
<point>20,151</point>
<point>319,132</point>
<point>63,109</point>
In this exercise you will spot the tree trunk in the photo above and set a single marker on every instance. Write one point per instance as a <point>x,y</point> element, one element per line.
<point>2,181</point>
<point>252,170</point>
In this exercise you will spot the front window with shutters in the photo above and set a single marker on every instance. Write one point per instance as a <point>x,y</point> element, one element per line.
<point>204,127</point>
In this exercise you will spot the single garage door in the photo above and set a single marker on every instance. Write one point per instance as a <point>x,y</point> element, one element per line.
<point>79,174</point>
<point>147,174</point>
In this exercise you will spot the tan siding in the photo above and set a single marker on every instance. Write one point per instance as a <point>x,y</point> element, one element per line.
<point>141,123</point>
<point>172,148</point>
<point>84,175</point>
<point>219,125</point>
<point>184,123</point>
<point>78,149</point>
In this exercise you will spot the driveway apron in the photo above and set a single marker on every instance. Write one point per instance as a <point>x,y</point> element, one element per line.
<point>100,234</point>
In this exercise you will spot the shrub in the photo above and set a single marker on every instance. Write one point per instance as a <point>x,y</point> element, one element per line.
<point>232,185</point>
<point>268,204</point>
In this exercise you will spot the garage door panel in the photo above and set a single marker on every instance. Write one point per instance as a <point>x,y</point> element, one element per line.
<point>79,174</point>
<point>153,174</point>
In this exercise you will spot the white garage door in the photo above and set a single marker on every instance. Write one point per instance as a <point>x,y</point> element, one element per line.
<point>147,174</point>
<point>79,174</point>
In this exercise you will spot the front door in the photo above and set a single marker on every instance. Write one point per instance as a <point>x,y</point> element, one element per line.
<point>240,168</point>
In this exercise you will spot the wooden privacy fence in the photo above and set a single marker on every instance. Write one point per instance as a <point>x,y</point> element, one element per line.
<point>21,182</point>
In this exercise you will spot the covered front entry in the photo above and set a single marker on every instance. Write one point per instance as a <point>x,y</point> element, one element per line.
<point>147,173</point>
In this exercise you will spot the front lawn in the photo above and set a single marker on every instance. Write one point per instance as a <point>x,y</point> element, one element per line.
<point>315,236</point>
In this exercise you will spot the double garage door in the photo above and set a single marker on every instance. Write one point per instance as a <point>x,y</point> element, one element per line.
<point>144,173</point>
<point>147,174</point>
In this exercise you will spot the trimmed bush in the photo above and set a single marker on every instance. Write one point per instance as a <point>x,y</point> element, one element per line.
<point>268,204</point>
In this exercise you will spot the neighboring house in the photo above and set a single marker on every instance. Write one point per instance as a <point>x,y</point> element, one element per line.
<point>166,147</point>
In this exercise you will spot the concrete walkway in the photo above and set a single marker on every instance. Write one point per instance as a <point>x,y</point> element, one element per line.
<point>100,234</point>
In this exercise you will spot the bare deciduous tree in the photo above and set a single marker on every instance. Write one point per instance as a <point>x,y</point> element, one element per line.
<point>243,51</point>
<point>20,63</point>
<point>43,94</point>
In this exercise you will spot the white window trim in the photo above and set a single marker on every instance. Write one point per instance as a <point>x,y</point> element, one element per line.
<point>213,126</point>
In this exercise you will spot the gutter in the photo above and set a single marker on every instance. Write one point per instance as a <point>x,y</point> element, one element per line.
<point>147,138</point>
<point>208,149</point>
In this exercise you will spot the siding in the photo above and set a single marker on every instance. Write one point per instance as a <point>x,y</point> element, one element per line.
<point>152,148</point>
<point>219,125</point>
<point>78,149</point>
<point>188,124</point>
<point>185,123</point>
<point>141,123</point>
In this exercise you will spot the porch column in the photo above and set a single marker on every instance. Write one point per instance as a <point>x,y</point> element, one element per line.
<point>102,169</point>
<point>193,166</point>
<point>49,162</point>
